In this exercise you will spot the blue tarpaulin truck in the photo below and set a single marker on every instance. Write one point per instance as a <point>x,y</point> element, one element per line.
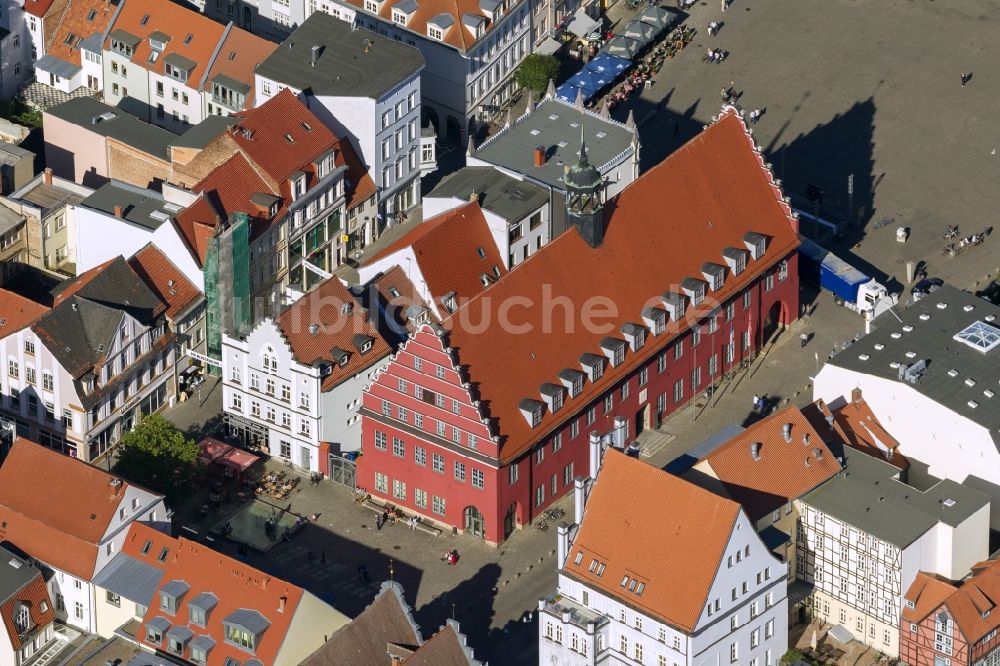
<point>849,286</point>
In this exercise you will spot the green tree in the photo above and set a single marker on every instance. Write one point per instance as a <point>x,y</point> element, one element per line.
<point>535,71</point>
<point>157,455</point>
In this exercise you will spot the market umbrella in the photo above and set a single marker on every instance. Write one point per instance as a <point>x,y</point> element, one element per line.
<point>640,31</point>
<point>658,17</point>
<point>813,642</point>
<point>623,47</point>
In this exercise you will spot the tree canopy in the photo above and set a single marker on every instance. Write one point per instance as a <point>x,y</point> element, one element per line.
<point>157,455</point>
<point>536,70</point>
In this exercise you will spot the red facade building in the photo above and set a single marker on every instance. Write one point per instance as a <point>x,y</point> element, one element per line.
<point>482,422</point>
<point>948,625</point>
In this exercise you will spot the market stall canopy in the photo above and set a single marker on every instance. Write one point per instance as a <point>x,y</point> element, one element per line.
<point>658,17</point>
<point>608,67</point>
<point>640,31</point>
<point>581,24</point>
<point>622,47</point>
<point>219,453</point>
<point>212,448</point>
<point>548,46</point>
<point>584,81</point>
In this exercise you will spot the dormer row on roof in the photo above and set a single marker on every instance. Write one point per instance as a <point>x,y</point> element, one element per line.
<point>439,24</point>
<point>654,318</point>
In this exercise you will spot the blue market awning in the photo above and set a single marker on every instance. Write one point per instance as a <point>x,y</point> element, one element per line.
<point>582,81</point>
<point>605,64</point>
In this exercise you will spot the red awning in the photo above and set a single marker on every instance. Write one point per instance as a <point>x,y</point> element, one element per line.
<point>212,449</point>
<point>220,453</point>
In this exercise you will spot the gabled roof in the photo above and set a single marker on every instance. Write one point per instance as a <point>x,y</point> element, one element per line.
<point>142,19</point>
<point>974,604</point>
<point>399,301</point>
<point>64,535</point>
<point>445,648</point>
<point>196,224</point>
<point>238,56</point>
<point>675,551</point>
<point>926,593</point>
<point>22,585</point>
<point>80,20</point>
<point>271,124</point>
<point>229,187</point>
<point>244,595</point>
<point>165,279</point>
<point>349,62</point>
<point>40,7</point>
<point>856,425</point>
<point>719,189</point>
<point>783,470</point>
<point>16,312</point>
<point>447,249</point>
<point>363,642</point>
<point>323,308</point>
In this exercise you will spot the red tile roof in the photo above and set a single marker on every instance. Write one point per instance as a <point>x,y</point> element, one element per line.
<point>393,282</point>
<point>143,18</point>
<point>673,540</point>
<point>447,250</point>
<point>79,20</point>
<point>864,431</point>
<point>39,7</point>
<point>322,306</point>
<point>678,215</point>
<point>196,224</point>
<point>239,55</point>
<point>457,35</point>
<point>783,471</point>
<point>270,124</point>
<point>64,535</point>
<point>926,593</point>
<point>17,312</point>
<point>163,277</point>
<point>445,648</point>
<point>229,187</point>
<point>967,602</point>
<point>236,586</point>
<point>32,594</point>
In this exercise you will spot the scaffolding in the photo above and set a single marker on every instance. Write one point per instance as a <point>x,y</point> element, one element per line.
<point>227,282</point>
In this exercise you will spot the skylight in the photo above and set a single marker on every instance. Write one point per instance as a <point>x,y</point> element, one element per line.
<point>980,336</point>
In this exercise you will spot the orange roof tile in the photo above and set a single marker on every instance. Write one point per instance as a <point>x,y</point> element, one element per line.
<point>783,470</point>
<point>230,186</point>
<point>864,430</point>
<point>457,35</point>
<point>271,124</point>
<point>323,306</point>
<point>977,596</point>
<point>62,534</point>
<point>163,277</point>
<point>80,19</point>
<point>718,189</point>
<point>32,594</point>
<point>926,593</point>
<point>675,552</point>
<point>360,185</point>
<point>37,7</point>
<point>239,55</point>
<point>236,586</point>
<point>144,17</point>
<point>447,249</point>
<point>196,224</point>
<point>398,294</point>
<point>17,312</point>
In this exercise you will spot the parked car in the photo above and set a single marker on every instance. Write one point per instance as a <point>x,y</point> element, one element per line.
<point>925,286</point>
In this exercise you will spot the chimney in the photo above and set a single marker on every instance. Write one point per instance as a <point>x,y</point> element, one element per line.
<point>118,211</point>
<point>855,392</point>
<point>818,453</point>
<point>48,176</point>
<point>474,196</point>
<point>315,54</point>
<point>562,544</point>
<point>805,439</point>
<point>595,454</point>
<point>621,429</point>
<point>281,604</point>
<point>755,450</point>
<point>787,432</point>
<point>539,156</point>
<point>579,499</point>
<point>829,421</point>
<point>313,329</point>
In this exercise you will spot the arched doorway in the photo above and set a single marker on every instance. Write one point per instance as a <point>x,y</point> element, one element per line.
<point>510,520</point>
<point>774,323</point>
<point>453,130</point>
<point>474,522</point>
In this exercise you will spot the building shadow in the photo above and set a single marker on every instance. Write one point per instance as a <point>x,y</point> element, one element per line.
<point>470,602</point>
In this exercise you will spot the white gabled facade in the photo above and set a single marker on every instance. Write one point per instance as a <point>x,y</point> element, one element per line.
<point>744,619</point>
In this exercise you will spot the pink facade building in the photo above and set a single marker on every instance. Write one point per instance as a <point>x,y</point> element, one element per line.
<point>482,422</point>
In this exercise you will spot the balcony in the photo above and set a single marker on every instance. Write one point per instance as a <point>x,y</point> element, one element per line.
<point>572,612</point>
<point>428,150</point>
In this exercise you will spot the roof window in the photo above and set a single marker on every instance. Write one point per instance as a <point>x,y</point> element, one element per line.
<point>953,373</point>
<point>980,336</point>
<point>144,20</point>
<point>289,138</point>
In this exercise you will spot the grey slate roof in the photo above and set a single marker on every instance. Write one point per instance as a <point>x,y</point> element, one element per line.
<point>9,219</point>
<point>54,65</point>
<point>933,340</point>
<point>159,622</point>
<point>347,66</point>
<point>249,619</point>
<point>86,112</point>
<point>554,125</point>
<point>868,497</point>
<point>130,579</point>
<point>142,207</point>
<point>200,135</point>
<point>13,578</point>
<point>175,588</point>
<point>503,195</point>
<point>206,601</point>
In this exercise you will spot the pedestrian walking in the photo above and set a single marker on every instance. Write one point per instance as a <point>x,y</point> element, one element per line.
<point>724,3</point>
<point>378,522</point>
<point>756,402</point>
<point>965,79</point>
<point>804,338</point>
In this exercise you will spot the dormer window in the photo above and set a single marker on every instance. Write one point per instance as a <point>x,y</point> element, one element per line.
<point>635,335</point>
<point>675,305</point>
<point>22,620</point>
<point>593,365</point>
<point>435,32</point>
<point>438,25</point>
<point>372,6</point>
<point>694,289</point>
<point>655,319</point>
<point>450,301</point>
<point>614,349</point>
<point>552,394</point>
<point>715,274</point>
<point>244,627</point>
<point>171,595</point>
<point>756,243</point>
<point>201,607</point>
<point>398,17</point>
<point>532,410</point>
<point>736,259</point>
<point>573,381</point>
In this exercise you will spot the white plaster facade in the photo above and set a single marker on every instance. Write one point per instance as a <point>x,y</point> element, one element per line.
<point>952,446</point>
<point>282,401</point>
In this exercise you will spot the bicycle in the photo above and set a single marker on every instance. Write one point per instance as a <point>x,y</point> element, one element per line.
<point>541,526</point>
<point>555,514</point>
<point>884,222</point>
